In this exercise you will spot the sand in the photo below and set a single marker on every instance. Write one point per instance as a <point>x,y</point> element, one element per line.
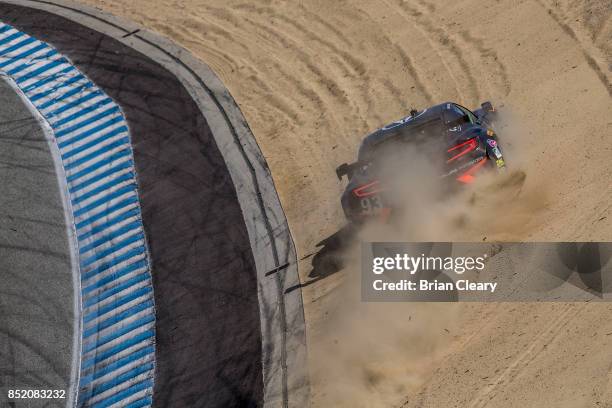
<point>312,77</point>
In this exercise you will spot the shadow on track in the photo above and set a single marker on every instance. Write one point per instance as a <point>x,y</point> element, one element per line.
<point>329,259</point>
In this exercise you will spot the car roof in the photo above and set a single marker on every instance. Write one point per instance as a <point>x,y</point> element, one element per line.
<point>392,130</point>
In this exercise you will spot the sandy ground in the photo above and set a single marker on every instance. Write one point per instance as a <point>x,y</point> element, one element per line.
<point>312,77</point>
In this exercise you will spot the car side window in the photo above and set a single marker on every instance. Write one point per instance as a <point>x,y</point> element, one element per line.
<point>467,112</point>
<point>453,116</point>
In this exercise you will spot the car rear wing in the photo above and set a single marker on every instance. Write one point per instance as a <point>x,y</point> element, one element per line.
<point>486,109</point>
<point>347,169</point>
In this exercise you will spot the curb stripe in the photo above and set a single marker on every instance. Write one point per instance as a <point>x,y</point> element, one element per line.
<point>97,165</point>
<point>101,176</point>
<point>11,38</point>
<point>124,394</point>
<point>144,336</point>
<point>73,104</point>
<point>119,274</point>
<point>118,193</point>
<point>110,264</point>
<point>107,238</point>
<point>137,355</point>
<point>49,79</point>
<point>119,288</point>
<point>80,113</point>
<point>41,70</point>
<point>119,333</point>
<point>63,132</point>
<point>68,94</point>
<point>48,92</point>
<point>120,245</point>
<point>21,67</point>
<point>109,210</point>
<point>89,145</point>
<point>93,143</point>
<point>106,186</point>
<point>101,227</point>
<point>117,318</point>
<point>120,379</point>
<point>140,403</point>
<point>23,54</point>
<point>90,132</point>
<point>99,152</point>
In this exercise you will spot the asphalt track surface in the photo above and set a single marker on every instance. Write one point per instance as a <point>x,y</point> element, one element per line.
<point>36,286</point>
<point>208,331</point>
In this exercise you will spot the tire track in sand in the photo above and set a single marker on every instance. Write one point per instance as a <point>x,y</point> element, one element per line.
<point>351,68</point>
<point>598,31</point>
<point>408,65</point>
<point>328,26</point>
<point>222,62</point>
<point>483,57</point>
<point>419,84</point>
<point>537,347</point>
<point>587,50</point>
<point>210,37</point>
<point>445,47</point>
<point>192,34</point>
<point>490,57</point>
<point>284,34</point>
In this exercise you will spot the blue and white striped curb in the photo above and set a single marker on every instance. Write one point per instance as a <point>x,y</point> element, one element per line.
<point>93,141</point>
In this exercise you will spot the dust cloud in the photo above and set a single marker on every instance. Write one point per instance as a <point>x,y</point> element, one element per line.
<point>498,206</point>
<point>373,354</point>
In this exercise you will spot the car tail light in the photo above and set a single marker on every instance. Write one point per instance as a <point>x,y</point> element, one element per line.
<point>468,176</point>
<point>461,149</point>
<point>368,189</point>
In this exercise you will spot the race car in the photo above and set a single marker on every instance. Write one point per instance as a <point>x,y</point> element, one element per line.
<point>460,142</point>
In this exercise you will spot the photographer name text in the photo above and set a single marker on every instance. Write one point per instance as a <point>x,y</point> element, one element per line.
<point>426,285</point>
